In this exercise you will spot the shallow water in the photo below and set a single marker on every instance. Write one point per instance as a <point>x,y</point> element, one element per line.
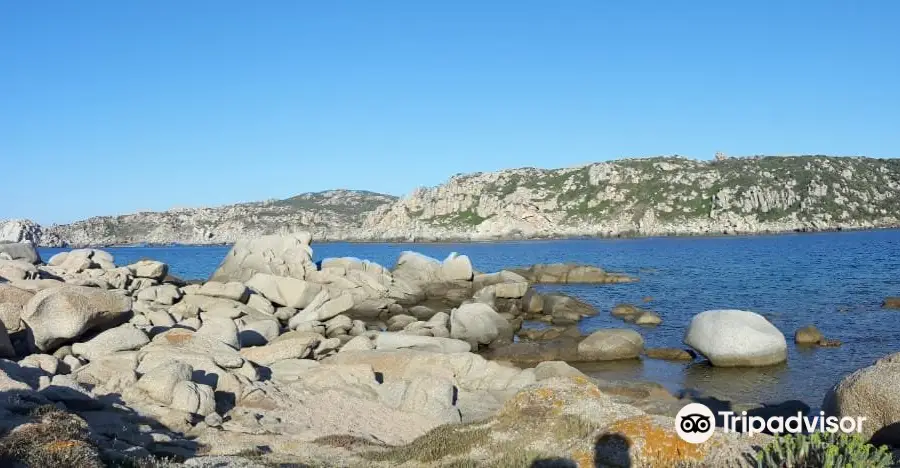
<point>833,280</point>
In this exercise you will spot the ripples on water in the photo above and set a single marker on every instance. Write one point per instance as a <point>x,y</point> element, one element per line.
<point>833,280</point>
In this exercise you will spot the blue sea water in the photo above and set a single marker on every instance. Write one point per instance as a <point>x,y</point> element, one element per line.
<point>833,280</point>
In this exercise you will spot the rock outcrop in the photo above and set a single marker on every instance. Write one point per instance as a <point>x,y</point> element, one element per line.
<point>24,230</point>
<point>870,393</point>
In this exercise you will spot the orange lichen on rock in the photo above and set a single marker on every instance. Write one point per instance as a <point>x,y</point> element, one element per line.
<point>652,445</point>
<point>62,445</point>
<point>584,459</point>
<point>179,337</point>
<point>547,401</point>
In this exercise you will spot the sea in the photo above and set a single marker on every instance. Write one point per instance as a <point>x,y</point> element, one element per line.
<point>835,281</point>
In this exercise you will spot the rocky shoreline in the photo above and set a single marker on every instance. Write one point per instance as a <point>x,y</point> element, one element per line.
<point>34,233</point>
<point>278,358</point>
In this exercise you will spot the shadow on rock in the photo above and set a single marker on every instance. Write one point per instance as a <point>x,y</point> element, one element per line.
<point>613,449</point>
<point>554,463</point>
<point>61,427</point>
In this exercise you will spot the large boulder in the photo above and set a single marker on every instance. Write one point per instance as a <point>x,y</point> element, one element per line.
<point>736,338</point>
<point>284,291</point>
<point>59,315</point>
<point>12,303</point>
<point>287,255</point>
<point>288,346</point>
<point>13,270</point>
<point>477,323</point>
<point>505,284</point>
<point>457,268</point>
<point>149,269</point>
<point>233,290</point>
<point>24,251</point>
<point>417,268</point>
<point>78,260</point>
<point>610,345</point>
<point>122,338</point>
<point>873,393</point>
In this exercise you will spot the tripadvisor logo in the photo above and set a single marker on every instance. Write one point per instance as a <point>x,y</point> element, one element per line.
<point>695,423</point>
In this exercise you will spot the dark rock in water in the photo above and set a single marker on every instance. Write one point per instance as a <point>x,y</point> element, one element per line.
<point>625,310</point>
<point>611,345</point>
<point>811,336</point>
<point>891,303</point>
<point>570,273</point>
<point>636,315</point>
<point>566,310</point>
<point>808,335</point>
<point>670,354</point>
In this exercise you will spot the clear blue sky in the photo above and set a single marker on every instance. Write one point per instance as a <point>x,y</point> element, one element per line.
<point>108,107</point>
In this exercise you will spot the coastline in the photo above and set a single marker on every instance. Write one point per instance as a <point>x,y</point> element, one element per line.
<point>630,235</point>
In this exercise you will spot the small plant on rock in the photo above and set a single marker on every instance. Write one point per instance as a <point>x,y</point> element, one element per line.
<point>822,450</point>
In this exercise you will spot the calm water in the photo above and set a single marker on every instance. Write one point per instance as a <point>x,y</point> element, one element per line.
<point>833,280</point>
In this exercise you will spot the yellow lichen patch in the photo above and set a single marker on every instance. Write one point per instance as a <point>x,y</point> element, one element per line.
<point>62,445</point>
<point>654,446</point>
<point>179,337</point>
<point>551,398</point>
<point>581,380</point>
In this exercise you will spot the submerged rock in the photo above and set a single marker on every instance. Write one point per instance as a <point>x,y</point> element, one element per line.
<point>808,335</point>
<point>570,273</point>
<point>669,354</point>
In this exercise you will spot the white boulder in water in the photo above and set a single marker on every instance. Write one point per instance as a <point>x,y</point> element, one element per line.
<point>736,338</point>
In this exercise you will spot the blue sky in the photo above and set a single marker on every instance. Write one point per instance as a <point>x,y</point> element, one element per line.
<point>109,107</point>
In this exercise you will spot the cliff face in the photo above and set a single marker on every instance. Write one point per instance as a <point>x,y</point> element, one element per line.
<point>654,196</point>
<point>24,230</point>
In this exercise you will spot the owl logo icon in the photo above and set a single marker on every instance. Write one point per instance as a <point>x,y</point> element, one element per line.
<point>695,423</point>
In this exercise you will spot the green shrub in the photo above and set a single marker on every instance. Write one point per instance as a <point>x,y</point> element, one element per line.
<point>822,450</point>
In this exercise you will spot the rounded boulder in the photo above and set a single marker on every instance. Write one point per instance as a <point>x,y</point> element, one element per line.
<point>736,338</point>
<point>610,345</point>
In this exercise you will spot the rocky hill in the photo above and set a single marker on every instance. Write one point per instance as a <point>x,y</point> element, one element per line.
<point>328,215</point>
<point>652,196</point>
<point>649,196</point>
